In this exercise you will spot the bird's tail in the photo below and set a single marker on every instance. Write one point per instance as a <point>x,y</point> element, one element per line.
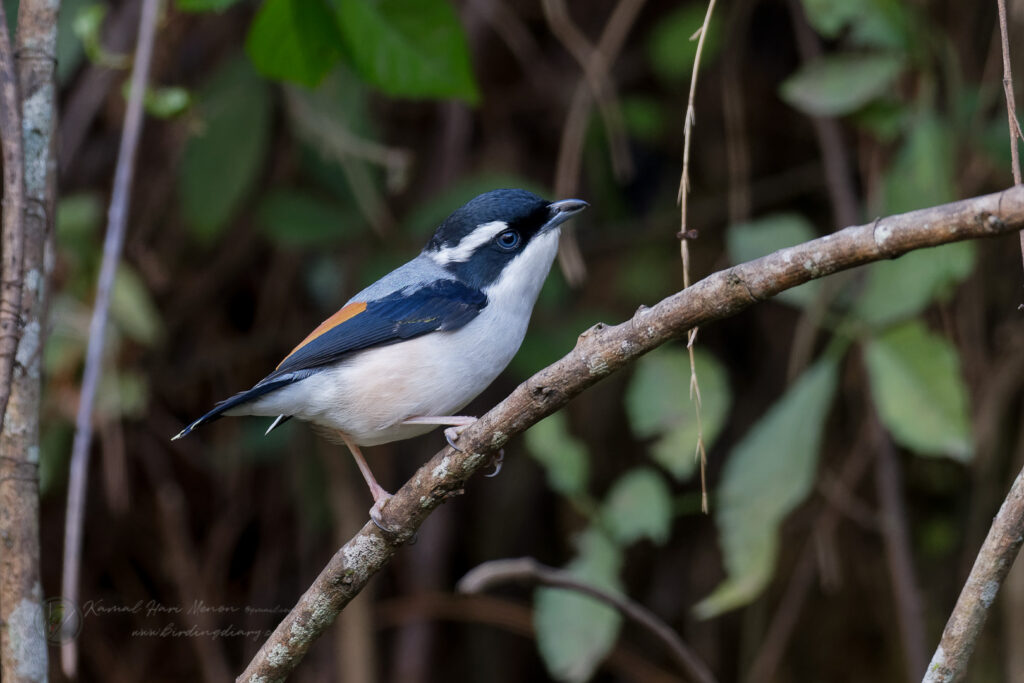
<point>235,401</point>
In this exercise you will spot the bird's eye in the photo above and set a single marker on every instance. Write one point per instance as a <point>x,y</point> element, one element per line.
<point>508,240</point>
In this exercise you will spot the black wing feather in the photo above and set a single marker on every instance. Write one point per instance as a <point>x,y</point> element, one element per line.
<point>408,313</point>
<point>444,305</point>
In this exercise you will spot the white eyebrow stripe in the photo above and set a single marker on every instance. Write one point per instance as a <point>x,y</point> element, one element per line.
<point>462,251</point>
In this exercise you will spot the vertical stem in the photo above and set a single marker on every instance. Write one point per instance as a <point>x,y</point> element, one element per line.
<point>1011,103</point>
<point>23,654</point>
<point>949,663</point>
<point>13,232</point>
<point>117,219</point>
<point>909,609</point>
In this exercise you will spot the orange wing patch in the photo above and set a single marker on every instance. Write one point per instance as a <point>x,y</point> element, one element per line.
<point>346,313</point>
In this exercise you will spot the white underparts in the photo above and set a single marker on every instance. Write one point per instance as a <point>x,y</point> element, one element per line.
<point>368,395</point>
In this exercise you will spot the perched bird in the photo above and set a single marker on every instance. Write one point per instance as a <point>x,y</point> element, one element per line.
<point>408,352</point>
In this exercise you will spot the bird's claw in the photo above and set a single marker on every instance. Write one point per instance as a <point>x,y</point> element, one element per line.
<point>497,461</point>
<point>451,434</point>
<point>377,512</point>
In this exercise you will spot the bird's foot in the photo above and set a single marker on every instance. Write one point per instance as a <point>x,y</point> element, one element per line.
<point>380,500</point>
<point>451,435</point>
<point>496,462</point>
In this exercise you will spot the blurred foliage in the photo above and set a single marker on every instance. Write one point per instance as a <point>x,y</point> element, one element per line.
<point>299,149</point>
<point>768,473</point>
<point>662,404</point>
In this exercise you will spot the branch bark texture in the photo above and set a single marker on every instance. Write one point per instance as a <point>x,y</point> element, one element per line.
<point>23,654</point>
<point>13,230</point>
<point>600,351</point>
<point>1005,536</point>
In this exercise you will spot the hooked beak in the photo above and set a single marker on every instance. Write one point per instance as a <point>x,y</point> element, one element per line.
<point>563,210</point>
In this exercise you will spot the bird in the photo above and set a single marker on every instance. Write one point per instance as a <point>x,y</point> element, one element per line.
<point>407,353</point>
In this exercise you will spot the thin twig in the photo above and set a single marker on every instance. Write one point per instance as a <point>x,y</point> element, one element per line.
<point>841,189</point>
<point>13,232</point>
<point>684,250</point>
<point>570,151</point>
<point>893,515</point>
<point>333,138</point>
<point>508,616</point>
<point>117,218</point>
<point>1011,103</point>
<point>598,353</point>
<point>801,578</point>
<point>949,663</point>
<point>528,570</point>
<point>595,67</point>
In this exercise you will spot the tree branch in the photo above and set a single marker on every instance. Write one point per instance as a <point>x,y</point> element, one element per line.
<point>13,239</point>
<point>949,663</point>
<point>600,351</point>
<point>527,569</point>
<point>23,653</point>
<point>113,243</point>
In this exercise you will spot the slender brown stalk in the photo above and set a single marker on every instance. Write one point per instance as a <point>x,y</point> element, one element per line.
<point>1000,549</point>
<point>117,219</point>
<point>1011,102</point>
<point>528,570</point>
<point>898,554</point>
<point>684,249</point>
<point>600,351</point>
<point>570,151</point>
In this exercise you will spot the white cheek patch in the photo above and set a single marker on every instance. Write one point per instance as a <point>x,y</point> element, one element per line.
<point>462,251</point>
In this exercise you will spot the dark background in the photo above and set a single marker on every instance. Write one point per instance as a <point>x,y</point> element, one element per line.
<point>221,281</point>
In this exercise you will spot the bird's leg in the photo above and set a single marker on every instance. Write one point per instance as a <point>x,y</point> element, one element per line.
<point>380,496</point>
<point>455,424</point>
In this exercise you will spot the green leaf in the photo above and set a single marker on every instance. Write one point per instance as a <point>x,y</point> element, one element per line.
<point>69,45</point>
<point>162,103</point>
<point>638,506</point>
<point>922,175</point>
<point>294,40</point>
<point>749,241</point>
<point>829,17</point>
<point>923,171</point>
<point>896,290</point>
<point>563,456</point>
<point>840,84</point>
<point>919,391</point>
<point>132,309</point>
<point>204,5</point>
<point>221,163</point>
<point>768,474</point>
<point>298,220</point>
<point>575,632</point>
<point>658,405</point>
<point>87,26</point>
<point>168,102</point>
<point>670,48</point>
<point>408,48</point>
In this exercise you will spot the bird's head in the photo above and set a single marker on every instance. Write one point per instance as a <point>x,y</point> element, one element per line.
<point>481,240</point>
